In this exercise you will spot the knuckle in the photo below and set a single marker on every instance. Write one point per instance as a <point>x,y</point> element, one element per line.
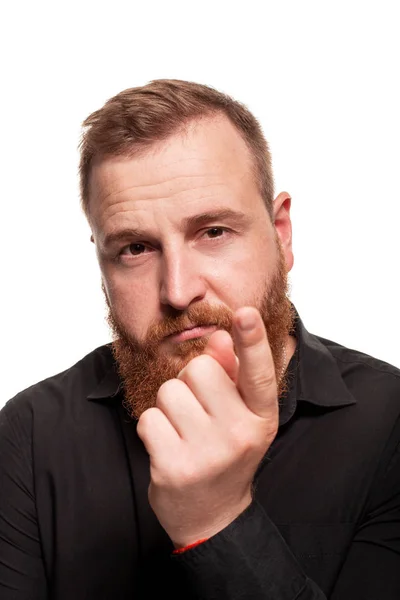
<point>166,391</point>
<point>145,421</point>
<point>188,475</point>
<point>198,365</point>
<point>167,387</point>
<point>158,478</point>
<point>181,476</point>
<point>263,381</point>
<point>241,441</point>
<point>243,444</point>
<point>250,441</point>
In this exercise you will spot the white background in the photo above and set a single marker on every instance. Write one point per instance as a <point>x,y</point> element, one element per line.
<point>323,79</point>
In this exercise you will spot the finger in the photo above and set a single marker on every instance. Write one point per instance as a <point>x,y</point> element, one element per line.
<point>220,347</point>
<point>256,377</point>
<point>182,409</point>
<point>157,433</point>
<point>212,387</point>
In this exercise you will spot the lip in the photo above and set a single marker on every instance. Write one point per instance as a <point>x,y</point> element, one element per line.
<point>192,333</point>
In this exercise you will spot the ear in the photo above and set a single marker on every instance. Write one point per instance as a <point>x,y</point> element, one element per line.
<point>283,226</point>
<point>92,238</point>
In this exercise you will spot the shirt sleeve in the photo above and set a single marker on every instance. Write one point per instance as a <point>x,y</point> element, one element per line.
<point>240,563</point>
<point>250,558</point>
<point>22,575</point>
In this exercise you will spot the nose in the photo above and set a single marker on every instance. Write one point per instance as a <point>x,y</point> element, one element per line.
<point>182,281</point>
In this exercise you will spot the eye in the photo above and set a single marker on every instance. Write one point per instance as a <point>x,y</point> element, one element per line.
<point>133,249</point>
<point>215,232</point>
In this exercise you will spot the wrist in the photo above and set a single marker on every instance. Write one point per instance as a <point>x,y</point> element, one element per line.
<point>187,539</point>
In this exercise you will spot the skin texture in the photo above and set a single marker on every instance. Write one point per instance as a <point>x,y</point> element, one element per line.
<point>215,447</point>
<point>214,420</point>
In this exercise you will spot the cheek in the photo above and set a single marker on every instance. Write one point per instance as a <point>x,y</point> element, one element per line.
<point>242,279</point>
<point>134,302</point>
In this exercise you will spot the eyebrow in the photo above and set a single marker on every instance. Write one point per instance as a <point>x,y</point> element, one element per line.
<point>237,218</point>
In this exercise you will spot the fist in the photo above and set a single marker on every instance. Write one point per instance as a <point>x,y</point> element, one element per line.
<point>209,430</point>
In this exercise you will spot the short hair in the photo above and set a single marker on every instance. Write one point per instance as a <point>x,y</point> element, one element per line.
<point>137,118</point>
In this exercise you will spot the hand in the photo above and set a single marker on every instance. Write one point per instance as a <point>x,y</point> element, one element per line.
<point>208,432</point>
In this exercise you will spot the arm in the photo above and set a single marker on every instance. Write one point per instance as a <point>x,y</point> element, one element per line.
<point>250,559</point>
<point>206,436</point>
<point>203,455</point>
<point>22,574</point>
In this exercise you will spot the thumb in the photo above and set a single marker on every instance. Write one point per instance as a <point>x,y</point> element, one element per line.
<point>256,378</point>
<point>220,347</point>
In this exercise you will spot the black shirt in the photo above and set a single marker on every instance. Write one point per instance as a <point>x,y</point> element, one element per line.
<point>75,522</point>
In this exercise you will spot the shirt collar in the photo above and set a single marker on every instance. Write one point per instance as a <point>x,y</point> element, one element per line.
<point>314,377</point>
<point>110,384</point>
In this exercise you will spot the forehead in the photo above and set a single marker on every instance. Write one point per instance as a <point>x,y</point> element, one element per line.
<point>208,153</point>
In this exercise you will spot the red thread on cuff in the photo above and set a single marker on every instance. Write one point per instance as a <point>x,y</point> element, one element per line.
<point>180,550</point>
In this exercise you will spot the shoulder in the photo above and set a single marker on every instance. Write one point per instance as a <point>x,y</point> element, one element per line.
<point>359,361</point>
<point>65,388</point>
<point>370,380</point>
<point>369,428</point>
<point>351,356</point>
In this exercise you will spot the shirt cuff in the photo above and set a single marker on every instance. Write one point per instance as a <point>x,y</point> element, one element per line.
<point>247,559</point>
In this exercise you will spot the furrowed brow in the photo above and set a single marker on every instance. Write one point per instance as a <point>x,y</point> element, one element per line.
<point>111,239</point>
<point>234,217</point>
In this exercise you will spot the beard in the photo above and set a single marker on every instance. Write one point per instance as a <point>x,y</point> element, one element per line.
<point>143,366</point>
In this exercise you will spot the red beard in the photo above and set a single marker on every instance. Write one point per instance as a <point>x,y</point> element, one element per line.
<point>144,368</point>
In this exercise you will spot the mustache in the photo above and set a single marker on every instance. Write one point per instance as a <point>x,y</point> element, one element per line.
<point>195,316</point>
<point>203,315</point>
<point>198,315</point>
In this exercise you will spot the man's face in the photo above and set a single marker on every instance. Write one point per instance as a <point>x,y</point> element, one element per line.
<point>183,239</point>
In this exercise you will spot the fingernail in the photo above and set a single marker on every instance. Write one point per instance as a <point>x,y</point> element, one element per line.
<point>247,321</point>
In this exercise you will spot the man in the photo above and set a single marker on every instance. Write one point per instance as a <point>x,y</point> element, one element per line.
<point>215,449</point>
